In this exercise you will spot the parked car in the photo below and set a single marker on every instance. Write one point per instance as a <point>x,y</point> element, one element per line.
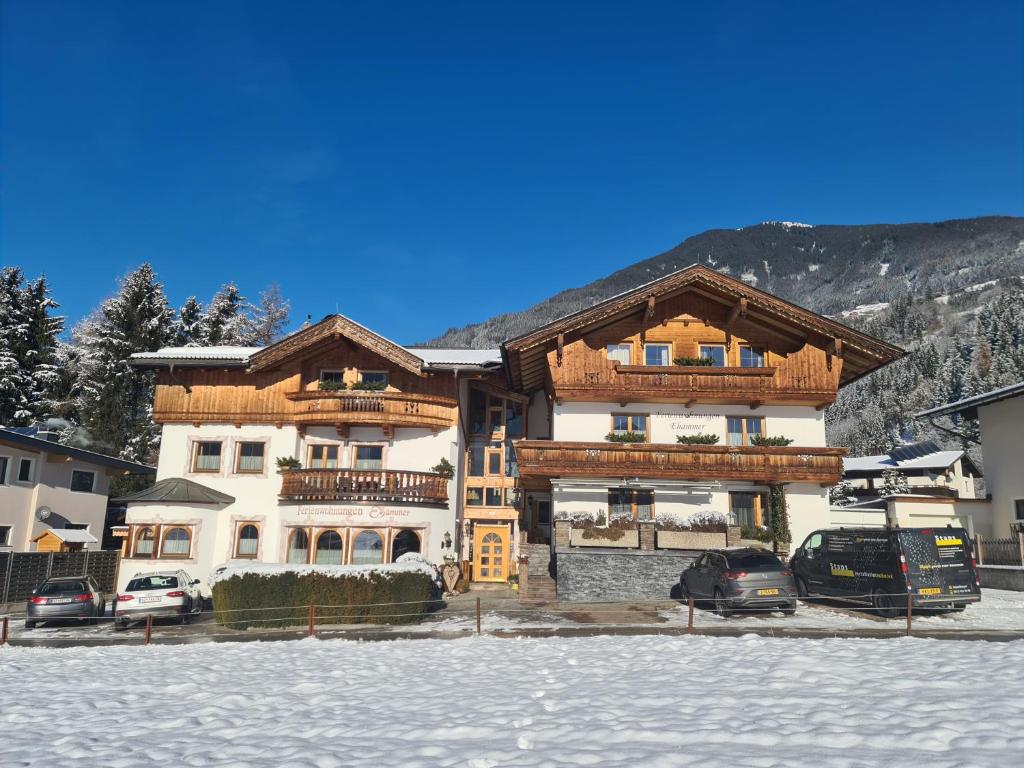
<point>740,578</point>
<point>158,594</point>
<point>69,597</point>
<point>935,567</point>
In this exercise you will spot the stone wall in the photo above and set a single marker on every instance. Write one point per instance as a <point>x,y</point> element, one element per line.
<point>611,574</point>
<point>1001,577</point>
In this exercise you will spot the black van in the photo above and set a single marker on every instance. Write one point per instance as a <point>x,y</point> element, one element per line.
<point>882,565</point>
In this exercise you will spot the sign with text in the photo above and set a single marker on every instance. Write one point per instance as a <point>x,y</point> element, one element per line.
<point>689,423</point>
<point>335,513</point>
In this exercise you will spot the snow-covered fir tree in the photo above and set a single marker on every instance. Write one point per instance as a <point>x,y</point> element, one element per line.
<point>15,381</point>
<point>40,360</point>
<point>227,319</point>
<point>269,318</point>
<point>894,483</point>
<point>191,329</point>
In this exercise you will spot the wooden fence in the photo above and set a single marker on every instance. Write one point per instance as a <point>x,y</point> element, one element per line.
<point>21,572</point>
<point>1008,551</point>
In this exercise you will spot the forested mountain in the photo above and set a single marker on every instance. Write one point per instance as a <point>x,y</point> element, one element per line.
<point>950,293</point>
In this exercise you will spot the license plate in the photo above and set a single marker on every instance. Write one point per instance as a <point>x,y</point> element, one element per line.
<point>55,600</point>
<point>149,599</point>
<point>930,591</point>
<point>766,592</point>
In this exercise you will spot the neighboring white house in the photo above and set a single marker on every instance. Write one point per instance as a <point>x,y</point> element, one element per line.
<point>928,469</point>
<point>1001,418</point>
<point>45,485</point>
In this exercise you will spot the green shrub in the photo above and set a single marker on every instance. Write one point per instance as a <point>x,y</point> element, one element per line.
<point>626,437</point>
<point>756,533</point>
<point>369,386</point>
<point>288,462</point>
<point>332,386</point>
<point>377,597</point>
<point>700,439</point>
<point>771,442</point>
<point>444,468</point>
<point>701,361</point>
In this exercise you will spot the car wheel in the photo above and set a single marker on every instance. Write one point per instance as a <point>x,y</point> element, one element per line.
<point>183,619</point>
<point>684,591</point>
<point>92,621</point>
<point>721,607</point>
<point>883,604</point>
<point>790,611</point>
<point>801,587</point>
<point>30,625</point>
<point>120,625</point>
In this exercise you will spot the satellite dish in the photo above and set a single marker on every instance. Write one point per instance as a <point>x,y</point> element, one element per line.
<point>43,513</point>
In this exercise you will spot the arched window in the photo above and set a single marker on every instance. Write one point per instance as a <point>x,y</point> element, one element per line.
<point>298,546</point>
<point>368,548</point>
<point>328,548</point>
<point>176,543</point>
<point>404,541</point>
<point>144,542</point>
<point>248,540</point>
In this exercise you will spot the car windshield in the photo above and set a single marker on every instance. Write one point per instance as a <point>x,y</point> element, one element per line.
<point>755,561</point>
<point>152,582</point>
<point>63,587</point>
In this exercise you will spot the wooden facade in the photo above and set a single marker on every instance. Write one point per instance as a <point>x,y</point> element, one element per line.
<point>364,485</point>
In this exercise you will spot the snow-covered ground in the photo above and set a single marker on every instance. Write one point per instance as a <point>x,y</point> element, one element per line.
<point>488,702</point>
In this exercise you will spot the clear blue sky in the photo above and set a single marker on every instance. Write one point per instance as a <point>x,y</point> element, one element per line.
<point>420,165</point>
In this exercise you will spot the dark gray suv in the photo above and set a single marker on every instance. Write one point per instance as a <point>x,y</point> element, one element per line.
<point>741,578</point>
<point>70,597</point>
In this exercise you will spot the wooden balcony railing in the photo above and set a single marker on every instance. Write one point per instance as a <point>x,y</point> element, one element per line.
<point>364,485</point>
<point>549,459</point>
<point>673,383</point>
<point>396,409</point>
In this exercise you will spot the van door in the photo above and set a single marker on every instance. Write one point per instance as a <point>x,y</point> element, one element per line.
<point>809,562</point>
<point>838,563</point>
<point>939,562</point>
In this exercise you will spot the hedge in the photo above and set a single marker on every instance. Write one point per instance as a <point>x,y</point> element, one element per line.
<point>370,597</point>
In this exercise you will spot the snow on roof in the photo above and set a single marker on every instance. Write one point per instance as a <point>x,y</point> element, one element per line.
<point>456,356</point>
<point>925,455</point>
<point>72,535</point>
<point>234,354</point>
<point>968,403</point>
<point>241,355</point>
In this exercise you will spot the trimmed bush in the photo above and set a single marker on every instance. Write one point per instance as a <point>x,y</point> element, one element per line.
<point>360,597</point>
<point>696,361</point>
<point>626,437</point>
<point>699,439</point>
<point>771,442</point>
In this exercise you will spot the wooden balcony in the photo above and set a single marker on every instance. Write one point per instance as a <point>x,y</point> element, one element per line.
<point>369,485</point>
<point>386,409</point>
<point>549,459</point>
<point>691,384</point>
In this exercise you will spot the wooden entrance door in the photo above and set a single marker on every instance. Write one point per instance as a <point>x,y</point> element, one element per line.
<point>490,553</point>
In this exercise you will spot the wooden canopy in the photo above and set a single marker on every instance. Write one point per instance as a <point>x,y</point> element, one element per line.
<point>861,353</point>
<point>332,327</point>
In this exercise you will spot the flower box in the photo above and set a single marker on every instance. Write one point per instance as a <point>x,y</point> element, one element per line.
<point>690,540</point>
<point>629,540</point>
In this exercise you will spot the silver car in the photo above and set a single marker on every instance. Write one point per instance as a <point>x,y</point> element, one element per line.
<point>742,578</point>
<point>158,594</point>
<point>70,597</point>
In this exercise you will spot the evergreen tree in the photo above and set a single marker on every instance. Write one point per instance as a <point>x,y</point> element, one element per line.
<point>40,356</point>
<point>191,329</point>
<point>115,399</point>
<point>894,483</point>
<point>227,321</point>
<point>269,318</point>
<point>15,380</point>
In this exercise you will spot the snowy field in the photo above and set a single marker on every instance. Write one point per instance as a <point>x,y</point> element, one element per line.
<point>488,702</point>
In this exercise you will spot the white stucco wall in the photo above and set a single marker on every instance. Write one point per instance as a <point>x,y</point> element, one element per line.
<point>591,422</point>
<point>50,487</point>
<point>1001,427</point>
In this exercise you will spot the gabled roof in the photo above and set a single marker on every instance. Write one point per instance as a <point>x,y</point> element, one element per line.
<point>25,438</point>
<point>229,357</point>
<point>861,353</point>
<point>177,490</point>
<point>926,455</point>
<point>969,405</point>
<point>332,327</point>
<point>446,358</point>
<point>69,535</point>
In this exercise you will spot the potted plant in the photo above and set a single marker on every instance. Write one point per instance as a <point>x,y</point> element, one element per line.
<point>776,441</point>
<point>626,437</point>
<point>693,361</point>
<point>513,581</point>
<point>285,463</point>
<point>444,468</point>
<point>332,386</point>
<point>699,439</point>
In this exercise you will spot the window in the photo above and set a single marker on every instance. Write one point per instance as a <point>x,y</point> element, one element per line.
<point>3,469</point>
<point>474,497</point>
<point>494,462</point>
<point>298,546</point>
<point>1018,510</point>
<point>629,422</point>
<point>495,413</point>
<point>328,548</point>
<point>5,535</point>
<point>176,543</point>
<point>743,428</point>
<point>369,457</point>
<point>477,411</point>
<point>715,352</point>
<point>544,512</point>
<point>149,583</point>
<point>513,418</point>
<point>476,459</point>
<point>404,542</point>
<point>620,353</point>
<point>374,378</point>
<point>511,465</point>
<point>333,378</point>
<point>250,458</point>
<point>207,457</point>
<point>323,457</point>
<point>751,357</point>
<point>368,548</point>
<point>25,471</point>
<point>745,509</point>
<point>657,354</point>
<point>630,504</point>
<point>494,497</point>
<point>144,541</point>
<point>247,542</point>
<point>82,481</point>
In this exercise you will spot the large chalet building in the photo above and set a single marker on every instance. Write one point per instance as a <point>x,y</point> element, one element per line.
<point>466,454</point>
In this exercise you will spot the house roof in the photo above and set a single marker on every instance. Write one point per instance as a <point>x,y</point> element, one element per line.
<point>443,358</point>
<point>26,439</point>
<point>861,353</point>
<point>69,535</point>
<point>924,455</point>
<point>195,356</point>
<point>968,407</point>
<point>177,490</point>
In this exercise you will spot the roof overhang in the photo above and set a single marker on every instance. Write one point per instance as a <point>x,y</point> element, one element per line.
<point>861,352</point>
<point>968,407</point>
